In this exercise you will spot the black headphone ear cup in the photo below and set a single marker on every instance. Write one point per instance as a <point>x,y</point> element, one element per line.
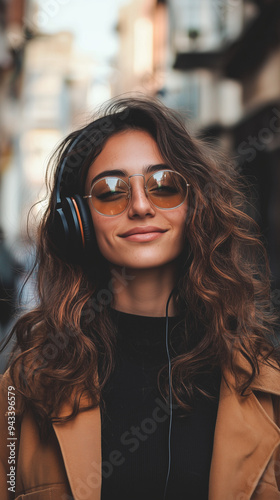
<point>65,230</point>
<point>87,229</point>
<point>72,230</point>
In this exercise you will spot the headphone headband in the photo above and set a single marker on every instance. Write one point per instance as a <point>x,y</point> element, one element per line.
<point>61,170</point>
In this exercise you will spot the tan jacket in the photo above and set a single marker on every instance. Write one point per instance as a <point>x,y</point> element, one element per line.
<point>245,461</point>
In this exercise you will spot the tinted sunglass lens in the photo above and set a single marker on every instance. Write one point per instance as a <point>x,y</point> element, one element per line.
<point>167,189</point>
<point>110,195</point>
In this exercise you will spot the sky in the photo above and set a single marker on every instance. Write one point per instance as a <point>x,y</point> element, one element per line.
<point>92,22</point>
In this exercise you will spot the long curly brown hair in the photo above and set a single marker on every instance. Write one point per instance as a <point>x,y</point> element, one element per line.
<point>223,288</point>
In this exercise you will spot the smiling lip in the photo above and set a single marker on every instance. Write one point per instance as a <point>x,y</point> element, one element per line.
<point>141,230</point>
<point>144,236</point>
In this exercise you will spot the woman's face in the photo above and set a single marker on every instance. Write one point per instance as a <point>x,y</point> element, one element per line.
<point>132,151</point>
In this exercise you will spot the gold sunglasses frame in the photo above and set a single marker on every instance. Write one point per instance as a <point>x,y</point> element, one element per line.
<point>129,191</point>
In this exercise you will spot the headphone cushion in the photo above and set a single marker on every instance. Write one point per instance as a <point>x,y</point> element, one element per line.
<point>64,230</point>
<point>86,221</point>
<point>72,229</point>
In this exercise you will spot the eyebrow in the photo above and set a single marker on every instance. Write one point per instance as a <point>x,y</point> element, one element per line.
<point>125,173</point>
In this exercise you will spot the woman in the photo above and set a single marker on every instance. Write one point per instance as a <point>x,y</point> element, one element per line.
<point>148,366</point>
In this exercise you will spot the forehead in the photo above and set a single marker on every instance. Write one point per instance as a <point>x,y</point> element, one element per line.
<point>131,150</point>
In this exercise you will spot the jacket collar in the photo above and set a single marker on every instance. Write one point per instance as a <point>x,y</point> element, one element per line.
<point>245,439</point>
<point>268,378</point>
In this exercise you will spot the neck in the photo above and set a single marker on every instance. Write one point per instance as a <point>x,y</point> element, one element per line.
<point>144,291</point>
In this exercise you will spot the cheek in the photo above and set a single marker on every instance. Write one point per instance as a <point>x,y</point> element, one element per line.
<point>97,224</point>
<point>184,216</point>
<point>179,225</point>
<point>178,220</point>
<point>102,227</point>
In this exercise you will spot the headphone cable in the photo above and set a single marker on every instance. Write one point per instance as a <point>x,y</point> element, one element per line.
<point>170,394</point>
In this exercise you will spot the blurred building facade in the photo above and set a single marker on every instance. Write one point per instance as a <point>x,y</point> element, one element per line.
<point>141,62</point>
<point>235,68</point>
<point>14,38</point>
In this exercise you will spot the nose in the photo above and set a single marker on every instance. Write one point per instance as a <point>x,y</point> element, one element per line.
<point>139,203</point>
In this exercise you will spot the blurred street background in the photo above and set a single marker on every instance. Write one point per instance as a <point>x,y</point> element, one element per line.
<point>217,62</point>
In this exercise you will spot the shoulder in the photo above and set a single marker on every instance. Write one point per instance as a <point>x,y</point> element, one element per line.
<point>266,379</point>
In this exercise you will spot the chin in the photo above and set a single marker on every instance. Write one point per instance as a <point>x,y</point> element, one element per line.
<point>142,263</point>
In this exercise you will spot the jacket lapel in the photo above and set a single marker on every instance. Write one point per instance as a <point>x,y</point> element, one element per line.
<point>80,444</point>
<point>245,436</point>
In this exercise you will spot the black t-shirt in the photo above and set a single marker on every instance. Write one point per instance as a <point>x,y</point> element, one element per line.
<point>135,422</point>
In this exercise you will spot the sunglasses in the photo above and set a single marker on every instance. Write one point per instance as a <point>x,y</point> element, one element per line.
<point>165,189</point>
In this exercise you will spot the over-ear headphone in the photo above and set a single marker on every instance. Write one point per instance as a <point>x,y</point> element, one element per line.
<point>72,229</point>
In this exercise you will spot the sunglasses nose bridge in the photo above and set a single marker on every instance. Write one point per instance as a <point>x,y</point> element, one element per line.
<point>129,184</point>
<point>135,175</point>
